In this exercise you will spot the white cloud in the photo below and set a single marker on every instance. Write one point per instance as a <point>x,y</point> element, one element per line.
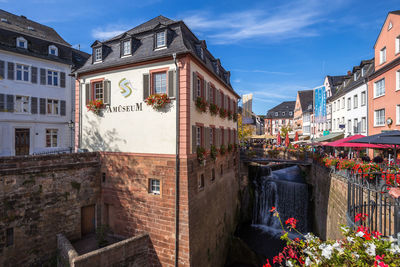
<point>291,20</point>
<point>104,33</point>
<point>263,71</point>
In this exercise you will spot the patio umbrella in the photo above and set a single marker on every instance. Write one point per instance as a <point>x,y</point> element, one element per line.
<point>296,137</point>
<point>278,139</point>
<point>345,142</point>
<point>287,140</point>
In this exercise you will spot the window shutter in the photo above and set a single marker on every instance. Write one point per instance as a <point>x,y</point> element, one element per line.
<point>207,91</point>
<point>42,102</point>
<point>88,93</point>
<point>10,103</point>
<point>207,138</point>
<point>62,108</point>
<point>2,102</point>
<point>107,92</point>
<point>146,85</point>
<point>214,95</point>
<point>10,68</point>
<point>217,97</point>
<point>2,69</point>
<point>34,107</point>
<point>43,76</point>
<point>194,148</point>
<point>194,85</point>
<point>62,79</point>
<point>33,75</point>
<point>171,83</point>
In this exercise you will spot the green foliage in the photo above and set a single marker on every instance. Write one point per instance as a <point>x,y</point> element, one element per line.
<point>222,150</point>
<point>213,152</point>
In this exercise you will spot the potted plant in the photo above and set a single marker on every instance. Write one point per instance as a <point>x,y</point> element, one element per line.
<point>223,113</point>
<point>229,115</point>
<point>222,150</point>
<point>201,104</point>
<point>157,101</point>
<point>201,154</point>
<point>213,109</point>
<point>213,152</point>
<point>95,106</point>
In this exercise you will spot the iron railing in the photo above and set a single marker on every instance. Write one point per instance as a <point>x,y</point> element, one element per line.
<point>55,151</point>
<point>368,194</point>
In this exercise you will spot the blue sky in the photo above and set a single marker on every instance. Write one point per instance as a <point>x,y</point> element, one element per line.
<point>272,48</point>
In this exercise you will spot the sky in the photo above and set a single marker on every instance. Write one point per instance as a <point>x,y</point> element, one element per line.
<point>272,48</point>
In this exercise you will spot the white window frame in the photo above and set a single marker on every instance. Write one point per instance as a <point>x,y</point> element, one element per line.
<point>53,107</point>
<point>397,80</point>
<point>24,69</point>
<point>363,98</point>
<point>155,186</point>
<point>355,101</point>
<point>160,82</point>
<point>54,77</point>
<point>378,121</point>
<point>397,114</point>
<point>343,102</point>
<point>362,71</point>
<point>349,130</point>
<point>198,137</point>
<point>98,54</point>
<point>363,124</point>
<point>98,91</point>
<point>355,76</point>
<point>355,126</point>
<point>22,40</point>
<point>376,88</point>
<point>161,39</point>
<point>53,48</point>
<point>382,55</point>
<point>397,44</point>
<point>283,113</point>
<point>290,113</point>
<point>348,103</point>
<point>126,48</point>
<point>22,104</point>
<point>276,114</point>
<point>52,134</point>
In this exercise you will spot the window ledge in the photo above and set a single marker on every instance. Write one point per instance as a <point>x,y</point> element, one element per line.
<point>160,48</point>
<point>376,97</point>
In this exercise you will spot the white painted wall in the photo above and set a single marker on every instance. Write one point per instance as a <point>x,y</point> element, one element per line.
<point>37,123</point>
<point>146,131</point>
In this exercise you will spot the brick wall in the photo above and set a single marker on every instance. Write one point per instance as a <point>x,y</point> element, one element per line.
<point>41,197</point>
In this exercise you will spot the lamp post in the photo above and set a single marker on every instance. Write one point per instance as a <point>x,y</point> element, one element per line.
<point>71,125</point>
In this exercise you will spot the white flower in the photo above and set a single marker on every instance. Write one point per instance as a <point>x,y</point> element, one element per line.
<point>350,239</point>
<point>289,263</point>
<point>395,249</point>
<point>308,261</point>
<point>338,247</point>
<point>370,249</point>
<point>355,255</point>
<point>360,234</point>
<point>326,250</point>
<point>345,229</point>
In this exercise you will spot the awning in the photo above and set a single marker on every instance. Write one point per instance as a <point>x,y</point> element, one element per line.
<point>263,136</point>
<point>348,142</point>
<point>329,137</point>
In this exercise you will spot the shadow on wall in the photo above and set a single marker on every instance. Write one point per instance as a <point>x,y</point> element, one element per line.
<point>93,140</point>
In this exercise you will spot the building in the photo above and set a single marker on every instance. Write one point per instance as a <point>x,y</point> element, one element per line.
<point>349,103</point>
<point>384,83</point>
<point>36,88</point>
<point>173,193</point>
<point>278,116</point>
<point>303,111</point>
<point>331,84</point>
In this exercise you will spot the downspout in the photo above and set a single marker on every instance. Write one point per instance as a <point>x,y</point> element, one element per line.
<point>80,112</point>
<point>177,164</point>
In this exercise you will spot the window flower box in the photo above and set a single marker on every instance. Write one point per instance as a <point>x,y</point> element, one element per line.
<point>201,154</point>
<point>95,106</point>
<point>213,152</point>
<point>201,104</point>
<point>222,150</point>
<point>223,113</point>
<point>214,109</point>
<point>229,115</point>
<point>157,101</point>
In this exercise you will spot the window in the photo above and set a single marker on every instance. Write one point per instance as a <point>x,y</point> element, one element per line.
<point>343,103</point>
<point>363,124</point>
<point>22,104</point>
<point>382,55</point>
<point>276,114</point>
<point>160,83</point>
<point>306,129</point>
<point>379,88</point>
<point>355,125</point>
<point>9,237</point>
<point>349,126</point>
<point>397,114</point>
<point>53,50</point>
<point>355,100</point>
<point>334,123</point>
<point>98,90</point>
<point>51,137</point>
<point>198,92</point>
<point>283,114</point>
<point>212,95</point>
<point>290,113</point>
<point>355,76</point>
<point>198,136</point>
<point>160,42</point>
<point>52,107</point>
<point>98,54</point>
<point>22,72</point>
<point>362,71</point>
<point>379,117</point>
<point>397,44</point>
<point>126,48</point>
<point>338,104</point>
<point>363,98</point>
<point>22,43</point>
<point>398,80</point>
<point>334,106</point>
<point>154,186</point>
<point>211,136</point>
<point>348,103</point>
<point>52,77</point>
<point>200,181</point>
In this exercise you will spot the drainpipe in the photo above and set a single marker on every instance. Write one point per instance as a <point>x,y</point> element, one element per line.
<point>80,111</point>
<point>177,164</point>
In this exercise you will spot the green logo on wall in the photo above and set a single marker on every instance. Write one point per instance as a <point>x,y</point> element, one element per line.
<point>126,90</point>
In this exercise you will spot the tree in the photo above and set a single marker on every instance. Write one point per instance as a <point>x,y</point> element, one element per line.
<point>285,129</point>
<point>244,130</point>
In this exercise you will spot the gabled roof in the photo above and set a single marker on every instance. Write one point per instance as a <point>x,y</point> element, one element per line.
<point>28,27</point>
<point>396,12</point>
<point>306,99</point>
<point>285,106</point>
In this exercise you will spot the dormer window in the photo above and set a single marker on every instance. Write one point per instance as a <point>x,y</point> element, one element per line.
<point>355,76</point>
<point>362,72</point>
<point>276,114</point>
<point>217,70</point>
<point>160,39</point>
<point>53,50</point>
<point>97,54</point>
<point>126,48</point>
<point>382,54</point>
<point>283,113</point>
<point>22,43</point>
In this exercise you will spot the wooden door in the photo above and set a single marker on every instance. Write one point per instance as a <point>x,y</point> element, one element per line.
<point>88,220</point>
<point>21,142</point>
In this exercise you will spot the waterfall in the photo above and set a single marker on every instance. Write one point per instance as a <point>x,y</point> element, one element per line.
<point>285,190</point>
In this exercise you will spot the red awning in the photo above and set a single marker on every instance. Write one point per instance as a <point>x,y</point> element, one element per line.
<point>345,143</point>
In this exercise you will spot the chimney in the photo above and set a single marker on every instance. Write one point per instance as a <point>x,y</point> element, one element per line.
<point>348,72</point>
<point>22,16</point>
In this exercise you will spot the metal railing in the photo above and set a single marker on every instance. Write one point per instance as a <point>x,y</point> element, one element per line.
<point>55,151</point>
<point>368,193</point>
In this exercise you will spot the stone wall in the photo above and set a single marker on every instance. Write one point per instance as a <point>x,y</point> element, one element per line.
<point>213,209</point>
<point>329,201</point>
<point>41,197</point>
